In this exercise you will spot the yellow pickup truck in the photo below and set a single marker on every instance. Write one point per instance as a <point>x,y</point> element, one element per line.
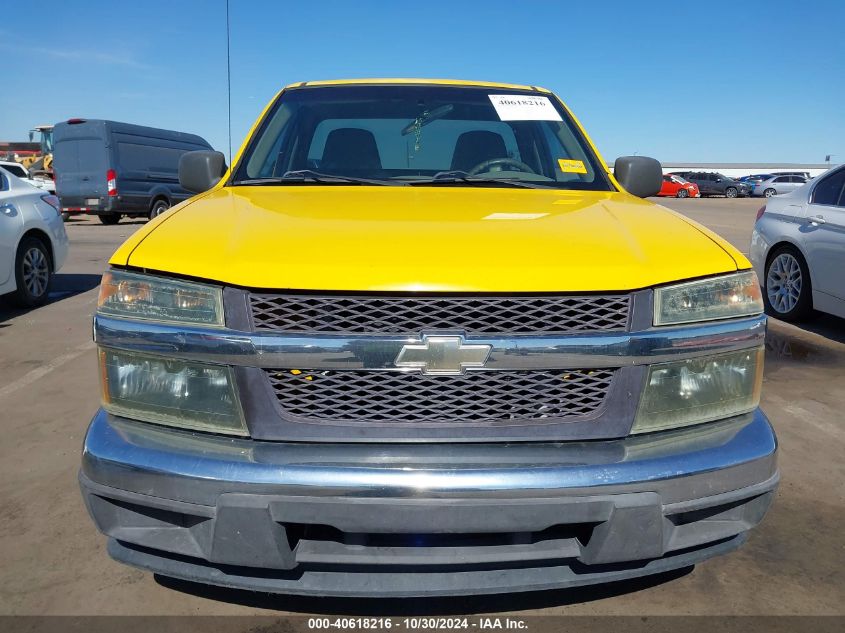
<point>420,340</point>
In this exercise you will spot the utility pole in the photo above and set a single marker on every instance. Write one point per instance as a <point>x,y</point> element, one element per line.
<point>228,84</point>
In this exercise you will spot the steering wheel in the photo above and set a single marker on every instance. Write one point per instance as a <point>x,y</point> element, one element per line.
<point>485,166</point>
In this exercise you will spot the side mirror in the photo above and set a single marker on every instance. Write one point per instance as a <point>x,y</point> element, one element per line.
<point>639,175</point>
<point>199,171</point>
<point>718,180</point>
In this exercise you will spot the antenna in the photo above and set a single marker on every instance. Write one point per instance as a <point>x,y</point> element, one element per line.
<point>228,83</point>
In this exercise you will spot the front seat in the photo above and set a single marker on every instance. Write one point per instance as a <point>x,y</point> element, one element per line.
<point>475,147</point>
<point>350,149</point>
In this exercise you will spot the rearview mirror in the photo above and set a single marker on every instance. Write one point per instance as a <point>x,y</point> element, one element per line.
<point>639,175</point>
<point>199,171</point>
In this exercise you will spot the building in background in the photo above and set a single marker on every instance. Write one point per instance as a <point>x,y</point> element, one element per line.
<point>736,170</point>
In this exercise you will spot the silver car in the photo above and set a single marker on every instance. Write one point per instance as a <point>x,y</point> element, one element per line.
<point>33,241</point>
<point>777,185</point>
<point>798,249</point>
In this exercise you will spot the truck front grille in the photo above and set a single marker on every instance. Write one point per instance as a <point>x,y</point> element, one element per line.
<point>477,397</point>
<point>491,315</point>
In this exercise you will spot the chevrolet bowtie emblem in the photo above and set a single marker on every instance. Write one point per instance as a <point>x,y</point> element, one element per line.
<point>443,355</point>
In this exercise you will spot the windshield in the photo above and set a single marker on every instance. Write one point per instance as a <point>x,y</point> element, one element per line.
<point>420,135</point>
<point>46,141</point>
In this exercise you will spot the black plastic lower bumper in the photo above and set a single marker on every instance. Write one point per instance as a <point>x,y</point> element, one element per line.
<point>363,581</point>
<point>399,521</point>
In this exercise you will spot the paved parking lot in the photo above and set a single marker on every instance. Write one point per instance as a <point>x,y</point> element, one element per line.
<point>54,562</point>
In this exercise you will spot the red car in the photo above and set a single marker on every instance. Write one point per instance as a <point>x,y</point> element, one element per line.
<point>677,187</point>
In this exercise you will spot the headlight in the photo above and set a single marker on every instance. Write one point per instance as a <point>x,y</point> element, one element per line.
<point>172,392</point>
<point>125,294</point>
<point>699,390</point>
<point>717,298</point>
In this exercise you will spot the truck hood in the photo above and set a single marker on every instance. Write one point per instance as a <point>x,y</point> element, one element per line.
<point>427,239</point>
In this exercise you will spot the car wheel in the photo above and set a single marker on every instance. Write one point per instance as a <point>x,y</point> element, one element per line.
<point>682,193</point>
<point>730,192</point>
<point>788,292</point>
<point>110,219</point>
<point>159,207</point>
<point>770,192</point>
<point>33,273</point>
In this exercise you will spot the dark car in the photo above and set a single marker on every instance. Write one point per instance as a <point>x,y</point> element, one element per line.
<point>715,184</point>
<point>111,169</point>
<point>754,178</point>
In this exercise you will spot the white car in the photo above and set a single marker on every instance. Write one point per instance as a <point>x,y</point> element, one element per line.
<point>33,242</point>
<point>777,185</point>
<point>798,249</point>
<point>16,169</point>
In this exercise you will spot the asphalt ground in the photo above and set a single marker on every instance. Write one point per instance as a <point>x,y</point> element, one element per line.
<point>54,561</point>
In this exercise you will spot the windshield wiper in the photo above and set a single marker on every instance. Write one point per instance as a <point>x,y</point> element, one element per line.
<point>461,177</point>
<point>307,175</point>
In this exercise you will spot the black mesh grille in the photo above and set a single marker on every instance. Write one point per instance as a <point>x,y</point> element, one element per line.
<point>410,315</point>
<point>387,397</point>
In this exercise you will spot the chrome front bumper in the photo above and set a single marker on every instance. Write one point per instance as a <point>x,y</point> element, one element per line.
<point>422,519</point>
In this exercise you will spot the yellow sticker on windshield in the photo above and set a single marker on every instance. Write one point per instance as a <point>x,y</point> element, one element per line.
<point>569,166</point>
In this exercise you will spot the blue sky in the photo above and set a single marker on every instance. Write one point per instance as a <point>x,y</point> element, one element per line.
<point>736,82</point>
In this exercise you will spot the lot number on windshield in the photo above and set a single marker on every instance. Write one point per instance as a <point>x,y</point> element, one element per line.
<point>524,108</point>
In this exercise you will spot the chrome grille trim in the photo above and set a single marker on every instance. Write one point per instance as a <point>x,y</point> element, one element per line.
<point>477,398</point>
<point>538,315</point>
<point>271,350</point>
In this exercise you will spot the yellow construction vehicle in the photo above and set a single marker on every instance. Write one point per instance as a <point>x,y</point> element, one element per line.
<point>41,164</point>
